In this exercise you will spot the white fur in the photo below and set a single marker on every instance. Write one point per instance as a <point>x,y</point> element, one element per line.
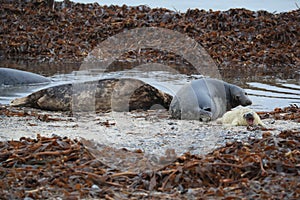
<point>235,117</point>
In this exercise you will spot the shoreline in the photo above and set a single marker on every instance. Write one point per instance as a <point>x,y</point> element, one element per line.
<point>152,132</point>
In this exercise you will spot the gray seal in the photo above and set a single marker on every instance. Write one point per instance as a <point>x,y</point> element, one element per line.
<point>18,77</point>
<point>207,99</point>
<point>100,96</point>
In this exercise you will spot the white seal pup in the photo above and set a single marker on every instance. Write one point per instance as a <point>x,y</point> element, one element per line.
<point>207,99</point>
<point>241,117</point>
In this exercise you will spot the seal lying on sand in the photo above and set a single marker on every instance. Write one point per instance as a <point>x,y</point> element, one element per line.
<point>100,96</point>
<point>207,99</point>
<point>241,117</point>
<point>17,77</point>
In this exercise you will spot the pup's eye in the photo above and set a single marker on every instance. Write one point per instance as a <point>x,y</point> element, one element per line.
<point>246,93</point>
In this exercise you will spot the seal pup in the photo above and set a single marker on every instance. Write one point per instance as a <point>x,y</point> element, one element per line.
<point>241,116</point>
<point>18,77</point>
<point>100,96</point>
<point>207,99</point>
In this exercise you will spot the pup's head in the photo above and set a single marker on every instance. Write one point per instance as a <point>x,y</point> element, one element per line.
<point>249,117</point>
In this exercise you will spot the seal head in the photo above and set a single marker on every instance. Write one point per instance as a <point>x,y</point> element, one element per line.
<point>249,117</point>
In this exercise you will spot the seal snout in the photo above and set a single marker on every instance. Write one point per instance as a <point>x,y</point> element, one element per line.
<point>248,102</point>
<point>249,117</point>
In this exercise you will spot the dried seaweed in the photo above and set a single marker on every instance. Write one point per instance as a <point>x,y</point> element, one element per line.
<point>42,168</point>
<point>259,43</point>
<point>291,112</point>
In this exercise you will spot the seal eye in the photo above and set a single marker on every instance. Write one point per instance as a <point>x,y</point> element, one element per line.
<point>207,109</point>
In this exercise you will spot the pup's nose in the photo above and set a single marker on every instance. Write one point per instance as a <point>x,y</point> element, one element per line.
<point>248,115</point>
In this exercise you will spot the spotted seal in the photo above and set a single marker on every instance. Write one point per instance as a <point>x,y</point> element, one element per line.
<point>18,77</point>
<point>101,96</point>
<point>207,99</point>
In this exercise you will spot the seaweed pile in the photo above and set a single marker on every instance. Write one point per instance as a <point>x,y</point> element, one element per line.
<point>291,112</point>
<point>237,39</point>
<point>53,167</point>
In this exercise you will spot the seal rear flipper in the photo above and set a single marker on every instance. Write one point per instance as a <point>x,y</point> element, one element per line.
<point>219,120</point>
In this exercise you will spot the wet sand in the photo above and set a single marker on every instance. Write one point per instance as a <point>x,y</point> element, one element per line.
<point>152,132</point>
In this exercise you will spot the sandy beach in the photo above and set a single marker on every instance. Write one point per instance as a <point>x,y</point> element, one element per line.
<point>152,132</point>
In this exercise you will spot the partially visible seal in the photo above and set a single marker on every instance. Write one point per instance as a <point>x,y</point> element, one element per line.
<point>101,96</point>
<point>241,117</point>
<point>17,77</point>
<point>207,99</point>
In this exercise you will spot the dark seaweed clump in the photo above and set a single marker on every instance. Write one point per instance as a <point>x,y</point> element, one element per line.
<point>50,167</point>
<point>44,167</point>
<point>238,39</point>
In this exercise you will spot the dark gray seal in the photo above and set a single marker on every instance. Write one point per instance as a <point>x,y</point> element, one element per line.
<point>207,99</point>
<point>101,96</point>
<point>17,77</point>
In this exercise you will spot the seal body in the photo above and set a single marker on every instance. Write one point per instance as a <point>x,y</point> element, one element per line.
<point>241,117</point>
<point>99,96</point>
<point>17,77</point>
<point>207,99</point>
